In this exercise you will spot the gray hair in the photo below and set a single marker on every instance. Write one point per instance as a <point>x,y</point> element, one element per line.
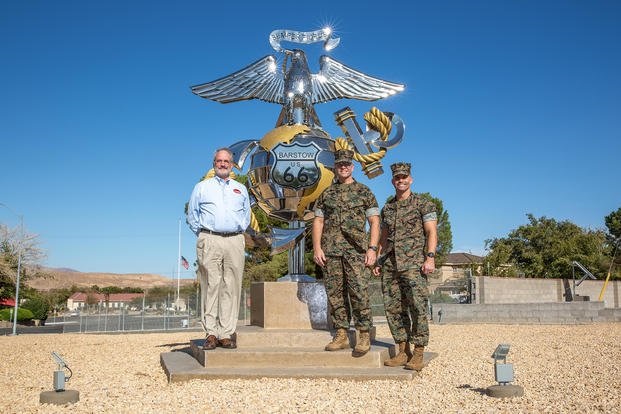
<point>227,149</point>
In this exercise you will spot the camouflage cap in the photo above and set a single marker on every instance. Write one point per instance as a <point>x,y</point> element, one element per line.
<point>343,155</point>
<point>400,168</point>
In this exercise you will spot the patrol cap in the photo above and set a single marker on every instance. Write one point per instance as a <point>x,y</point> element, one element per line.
<point>343,155</point>
<point>400,168</point>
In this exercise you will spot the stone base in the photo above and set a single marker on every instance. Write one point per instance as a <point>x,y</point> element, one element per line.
<point>289,305</point>
<point>59,397</point>
<point>505,391</point>
<point>284,353</point>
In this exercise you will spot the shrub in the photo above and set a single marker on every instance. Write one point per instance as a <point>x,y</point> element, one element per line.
<point>38,306</point>
<point>22,314</point>
<point>441,298</point>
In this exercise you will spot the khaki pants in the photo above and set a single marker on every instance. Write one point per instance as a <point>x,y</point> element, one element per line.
<point>221,269</point>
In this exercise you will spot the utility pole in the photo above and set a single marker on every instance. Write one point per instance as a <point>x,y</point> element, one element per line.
<point>19,269</point>
<point>178,263</point>
<point>19,264</point>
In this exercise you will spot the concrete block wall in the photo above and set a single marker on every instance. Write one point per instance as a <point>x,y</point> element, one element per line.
<point>517,290</point>
<point>496,290</point>
<point>525,313</point>
<point>592,289</point>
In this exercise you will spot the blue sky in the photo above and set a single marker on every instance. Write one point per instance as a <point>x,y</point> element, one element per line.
<point>511,107</point>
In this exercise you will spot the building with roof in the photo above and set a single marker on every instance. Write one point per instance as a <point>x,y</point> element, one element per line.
<point>457,265</point>
<point>7,303</point>
<point>80,300</point>
<point>451,277</point>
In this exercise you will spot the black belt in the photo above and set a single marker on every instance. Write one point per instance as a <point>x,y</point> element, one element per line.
<point>218,233</point>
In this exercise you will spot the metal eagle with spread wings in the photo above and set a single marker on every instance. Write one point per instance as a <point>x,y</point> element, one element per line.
<point>294,86</point>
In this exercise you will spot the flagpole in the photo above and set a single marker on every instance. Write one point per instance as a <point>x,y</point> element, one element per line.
<point>179,263</point>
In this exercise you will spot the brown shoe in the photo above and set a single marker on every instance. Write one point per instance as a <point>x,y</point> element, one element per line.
<point>340,341</point>
<point>227,343</point>
<point>210,342</point>
<point>416,363</point>
<point>402,357</point>
<point>363,345</point>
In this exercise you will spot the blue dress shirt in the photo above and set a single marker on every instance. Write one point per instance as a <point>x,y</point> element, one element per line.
<point>219,205</point>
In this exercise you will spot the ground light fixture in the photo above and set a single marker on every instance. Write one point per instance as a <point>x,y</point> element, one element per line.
<point>60,396</point>
<point>503,374</point>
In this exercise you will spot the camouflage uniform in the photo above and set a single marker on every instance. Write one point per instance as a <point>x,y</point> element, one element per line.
<point>404,286</point>
<point>345,209</point>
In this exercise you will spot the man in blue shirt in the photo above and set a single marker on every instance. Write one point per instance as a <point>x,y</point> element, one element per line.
<point>219,213</point>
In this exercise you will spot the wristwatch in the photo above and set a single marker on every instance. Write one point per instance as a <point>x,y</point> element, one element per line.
<point>431,254</point>
<point>374,248</point>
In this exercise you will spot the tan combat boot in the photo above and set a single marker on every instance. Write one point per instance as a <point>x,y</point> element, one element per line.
<point>416,362</point>
<point>363,344</point>
<point>340,341</point>
<point>402,356</point>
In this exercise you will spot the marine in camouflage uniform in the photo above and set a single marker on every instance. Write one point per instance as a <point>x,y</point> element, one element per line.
<point>341,246</point>
<point>408,242</point>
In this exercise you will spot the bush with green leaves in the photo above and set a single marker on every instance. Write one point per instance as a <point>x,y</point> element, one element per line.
<point>38,306</point>
<point>22,314</point>
<point>441,298</point>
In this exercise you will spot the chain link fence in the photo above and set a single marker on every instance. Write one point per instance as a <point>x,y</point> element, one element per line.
<point>123,320</point>
<point>136,318</point>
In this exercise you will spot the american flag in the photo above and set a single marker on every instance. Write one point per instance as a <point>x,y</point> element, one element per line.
<point>185,263</point>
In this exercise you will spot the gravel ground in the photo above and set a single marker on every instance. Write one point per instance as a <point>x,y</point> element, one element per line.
<point>563,369</point>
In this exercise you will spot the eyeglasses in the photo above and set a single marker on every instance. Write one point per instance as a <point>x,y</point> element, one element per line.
<point>344,165</point>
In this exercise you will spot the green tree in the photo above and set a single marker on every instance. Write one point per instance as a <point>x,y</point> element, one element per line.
<point>439,297</point>
<point>129,289</point>
<point>260,264</point>
<point>499,261</point>
<point>266,271</point>
<point>159,295</point>
<point>613,222</point>
<point>39,307</point>
<point>57,298</point>
<point>445,235</point>
<point>546,248</point>
<point>91,299</point>
<point>109,290</point>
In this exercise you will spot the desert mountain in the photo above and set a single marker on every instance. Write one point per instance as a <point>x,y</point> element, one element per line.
<point>65,278</point>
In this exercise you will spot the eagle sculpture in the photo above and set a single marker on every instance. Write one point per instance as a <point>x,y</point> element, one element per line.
<point>295,87</point>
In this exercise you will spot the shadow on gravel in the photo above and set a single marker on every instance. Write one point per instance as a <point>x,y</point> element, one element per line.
<point>187,350</point>
<point>183,347</point>
<point>482,391</point>
<point>171,345</point>
<point>25,329</point>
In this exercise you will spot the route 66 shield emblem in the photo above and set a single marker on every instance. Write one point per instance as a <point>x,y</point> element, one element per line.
<point>295,165</point>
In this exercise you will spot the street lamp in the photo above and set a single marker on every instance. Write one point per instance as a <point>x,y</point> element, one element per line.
<point>19,264</point>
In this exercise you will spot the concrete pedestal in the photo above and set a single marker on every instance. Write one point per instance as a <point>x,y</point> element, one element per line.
<point>505,391</point>
<point>59,397</point>
<point>289,305</point>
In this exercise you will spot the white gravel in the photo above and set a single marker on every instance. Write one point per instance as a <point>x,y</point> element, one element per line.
<point>563,369</point>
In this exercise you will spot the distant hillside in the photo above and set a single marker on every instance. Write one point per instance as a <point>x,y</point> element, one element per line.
<point>65,278</point>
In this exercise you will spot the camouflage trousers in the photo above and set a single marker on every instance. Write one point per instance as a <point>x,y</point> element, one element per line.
<point>405,302</point>
<point>347,281</point>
